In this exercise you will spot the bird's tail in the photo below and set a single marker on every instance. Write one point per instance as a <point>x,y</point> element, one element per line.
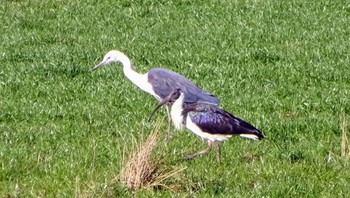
<point>255,135</point>
<point>245,129</point>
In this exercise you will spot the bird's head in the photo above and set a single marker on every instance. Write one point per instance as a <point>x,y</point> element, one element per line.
<point>111,57</point>
<point>174,95</point>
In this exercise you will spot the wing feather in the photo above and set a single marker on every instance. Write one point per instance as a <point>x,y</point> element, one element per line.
<point>211,119</point>
<point>165,81</point>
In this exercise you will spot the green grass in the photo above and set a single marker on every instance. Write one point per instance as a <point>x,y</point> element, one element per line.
<point>281,65</point>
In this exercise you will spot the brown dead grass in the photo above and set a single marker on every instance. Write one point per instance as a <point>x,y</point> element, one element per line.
<point>141,170</point>
<point>345,146</point>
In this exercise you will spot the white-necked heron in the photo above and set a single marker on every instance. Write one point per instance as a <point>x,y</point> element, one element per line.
<point>159,82</point>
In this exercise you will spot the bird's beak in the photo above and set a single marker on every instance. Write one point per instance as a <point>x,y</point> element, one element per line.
<point>102,63</point>
<point>164,101</point>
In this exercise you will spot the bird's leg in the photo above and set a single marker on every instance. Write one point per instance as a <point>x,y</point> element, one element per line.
<point>169,122</point>
<point>217,149</point>
<point>200,153</point>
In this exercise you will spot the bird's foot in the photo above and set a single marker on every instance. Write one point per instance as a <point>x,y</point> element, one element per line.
<point>190,157</point>
<point>169,135</point>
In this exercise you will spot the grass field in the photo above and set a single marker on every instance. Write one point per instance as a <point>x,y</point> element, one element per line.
<point>284,66</point>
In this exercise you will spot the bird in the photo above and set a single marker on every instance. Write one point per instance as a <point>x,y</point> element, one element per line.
<point>208,121</point>
<point>159,82</point>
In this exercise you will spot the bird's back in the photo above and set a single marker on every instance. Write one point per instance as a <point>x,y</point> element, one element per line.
<point>211,119</point>
<point>165,81</point>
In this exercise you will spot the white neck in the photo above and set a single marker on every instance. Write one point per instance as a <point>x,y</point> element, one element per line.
<point>176,112</point>
<point>139,80</point>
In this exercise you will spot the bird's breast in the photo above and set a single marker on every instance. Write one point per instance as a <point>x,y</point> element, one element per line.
<point>177,119</point>
<point>176,114</point>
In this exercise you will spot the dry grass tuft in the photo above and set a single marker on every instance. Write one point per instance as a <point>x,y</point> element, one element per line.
<point>345,146</point>
<point>139,168</point>
<point>162,176</point>
<point>140,171</point>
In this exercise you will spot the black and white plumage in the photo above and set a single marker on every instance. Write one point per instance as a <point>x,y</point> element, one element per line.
<point>208,121</point>
<point>159,82</point>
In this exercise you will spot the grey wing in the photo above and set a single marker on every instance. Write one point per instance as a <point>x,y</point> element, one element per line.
<point>165,81</point>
